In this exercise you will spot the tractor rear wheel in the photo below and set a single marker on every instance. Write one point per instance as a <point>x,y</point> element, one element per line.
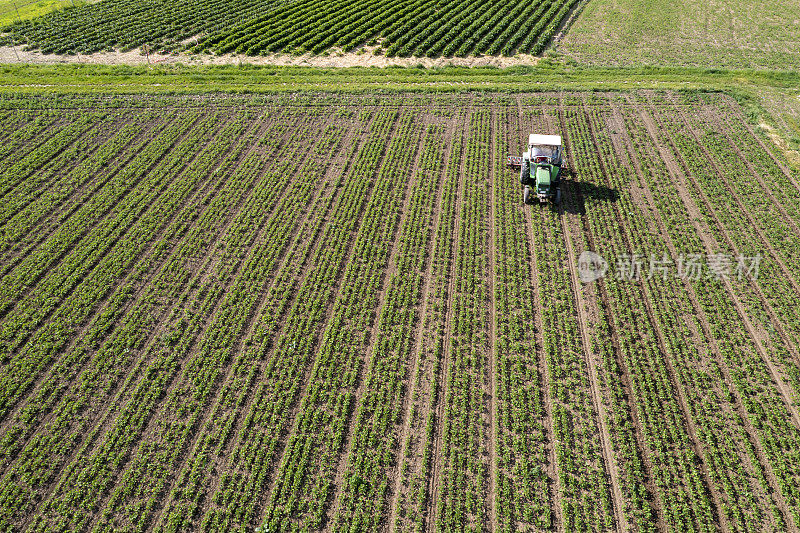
<point>558,197</point>
<point>526,196</point>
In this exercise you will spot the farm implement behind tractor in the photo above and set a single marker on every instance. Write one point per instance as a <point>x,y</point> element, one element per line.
<point>540,168</point>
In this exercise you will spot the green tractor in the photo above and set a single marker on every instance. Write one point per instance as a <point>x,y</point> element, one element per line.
<point>540,169</point>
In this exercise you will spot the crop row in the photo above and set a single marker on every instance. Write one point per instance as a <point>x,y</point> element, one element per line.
<point>116,366</point>
<point>101,280</point>
<point>463,469</point>
<point>332,392</point>
<point>645,353</point>
<point>284,334</point>
<point>248,255</point>
<point>230,417</point>
<point>97,230</point>
<point>120,24</point>
<point>583,493</point>
<point>54,205</point>
<point>771,355</point>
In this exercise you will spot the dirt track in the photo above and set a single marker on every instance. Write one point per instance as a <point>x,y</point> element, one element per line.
<point>335,59</point>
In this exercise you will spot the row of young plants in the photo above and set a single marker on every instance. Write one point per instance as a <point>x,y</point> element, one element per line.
<point>251,455</point>
<point>414,497</point>
<point>85,484</point>
<point>30,170</point>
<point>524,490</point>
<point>462,480</point>
<point>308,474</point>
<point>762,356</point>
<point>111,374</point>
<point>637,493</point>
<point>762,210</point>
<point>729,440</point>
<point>378,423</point>
<point>289,332</point>
<point>51,170</point>
<point>30,134</point>
<point>57,398</point>
<point>308,307</point>
<point>258,232</point>
<point>650,356</point>
<point>40,282</point>
<point>36,286</point>
<point>717,412</point>
<point>230,415</point>
<point>780,183</point>
<point>30,225</point>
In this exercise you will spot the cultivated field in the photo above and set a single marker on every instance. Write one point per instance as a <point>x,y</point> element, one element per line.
<point>334,312</point>
<point>395,27</point>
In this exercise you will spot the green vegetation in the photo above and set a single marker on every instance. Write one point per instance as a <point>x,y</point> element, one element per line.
<point>16,10</point>
<point>545,76</point>
<point>404,27</point>
<point>718,33</point>
<point>126,24</point>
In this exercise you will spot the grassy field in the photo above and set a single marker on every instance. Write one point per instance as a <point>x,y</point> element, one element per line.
<point>716,33</point>
<point>546,75</point>
<point>15,10</point>
<point>319,311</point>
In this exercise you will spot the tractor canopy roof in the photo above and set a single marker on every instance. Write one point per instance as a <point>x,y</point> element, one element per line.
<point>545,140</point>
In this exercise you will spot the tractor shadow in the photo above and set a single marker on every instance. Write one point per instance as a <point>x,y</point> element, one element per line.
<point>578,194</point>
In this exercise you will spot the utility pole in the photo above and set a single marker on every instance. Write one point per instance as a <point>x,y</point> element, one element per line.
<point>13,45</point>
